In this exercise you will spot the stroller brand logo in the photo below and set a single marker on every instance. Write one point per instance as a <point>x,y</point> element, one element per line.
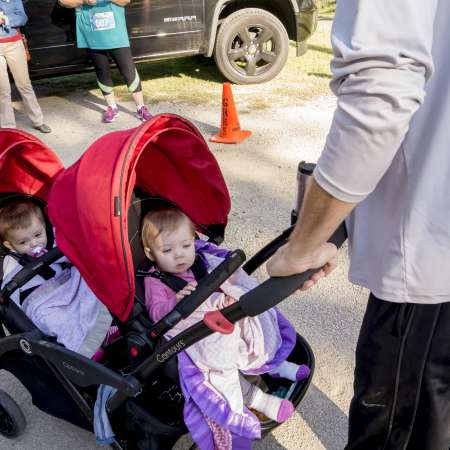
<point>73,369</point>
<point>161,357</point>
<point>25,346</point>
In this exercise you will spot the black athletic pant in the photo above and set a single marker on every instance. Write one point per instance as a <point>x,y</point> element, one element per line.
<point>124,61</point>
<point>402,378</point>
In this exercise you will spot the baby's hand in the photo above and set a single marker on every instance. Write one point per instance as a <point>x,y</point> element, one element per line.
<point>190,287</point>
<point>229,300</point>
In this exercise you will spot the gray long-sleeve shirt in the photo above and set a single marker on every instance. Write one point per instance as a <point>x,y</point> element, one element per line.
<point>389,144</point>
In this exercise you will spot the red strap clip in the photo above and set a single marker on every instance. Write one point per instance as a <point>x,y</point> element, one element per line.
<point>216,321</point>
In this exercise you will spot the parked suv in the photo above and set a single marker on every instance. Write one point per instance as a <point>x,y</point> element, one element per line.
<point>248,38</point>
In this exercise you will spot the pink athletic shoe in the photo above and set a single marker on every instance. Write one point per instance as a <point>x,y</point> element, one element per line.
<point>110,114</point>
<point>143,113</point>
<point>286,410</point>
<point>303,372</point>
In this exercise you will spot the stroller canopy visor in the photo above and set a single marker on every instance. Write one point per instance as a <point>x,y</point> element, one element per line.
<point>165,157</point>
<point>27,165</point>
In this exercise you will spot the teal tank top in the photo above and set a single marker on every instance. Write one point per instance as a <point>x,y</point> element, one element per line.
<point>101,27</point>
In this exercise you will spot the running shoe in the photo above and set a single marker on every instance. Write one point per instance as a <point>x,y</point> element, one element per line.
<point>43,128</point>
<point>110,114</point>
<point>143,113</point>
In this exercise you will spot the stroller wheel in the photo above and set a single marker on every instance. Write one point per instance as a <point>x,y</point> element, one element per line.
<point>12,420</point>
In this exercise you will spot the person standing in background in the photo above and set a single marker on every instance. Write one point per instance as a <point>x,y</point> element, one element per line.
<point>14,57</point>
<point>101,28</point>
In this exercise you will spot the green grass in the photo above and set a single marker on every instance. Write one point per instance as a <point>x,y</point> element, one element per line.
<point>326,7</point>
<point>196,80</point>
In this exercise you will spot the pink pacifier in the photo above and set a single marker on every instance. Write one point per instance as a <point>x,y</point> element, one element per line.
<point>37,251</point>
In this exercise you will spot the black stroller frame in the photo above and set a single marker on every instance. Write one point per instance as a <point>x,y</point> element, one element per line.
<point>27,347</point>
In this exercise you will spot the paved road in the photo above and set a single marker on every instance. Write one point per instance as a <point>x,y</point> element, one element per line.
<point>260,174</point>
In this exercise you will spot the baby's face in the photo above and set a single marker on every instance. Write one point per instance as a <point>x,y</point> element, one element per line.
<point>174,251</point>
<point>25,240</point>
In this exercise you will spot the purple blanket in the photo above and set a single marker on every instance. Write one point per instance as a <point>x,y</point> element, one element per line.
<point>202,402</point>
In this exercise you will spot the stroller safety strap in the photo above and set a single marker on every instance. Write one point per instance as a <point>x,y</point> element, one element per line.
<point>45,272</point>
<point>29,271</point>
<point>173,282</point>
<point>209,284</point>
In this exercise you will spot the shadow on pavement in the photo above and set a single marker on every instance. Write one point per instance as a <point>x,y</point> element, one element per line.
<point>270,443</point>
<point>98,104</point>
<point>327,421</point>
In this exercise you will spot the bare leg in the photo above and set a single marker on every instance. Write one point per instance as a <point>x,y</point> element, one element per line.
<point>138,98</point>
<point>110,99</point>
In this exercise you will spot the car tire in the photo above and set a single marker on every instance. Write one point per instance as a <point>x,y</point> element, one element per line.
<point>12,420</point>
<point>252,46</point>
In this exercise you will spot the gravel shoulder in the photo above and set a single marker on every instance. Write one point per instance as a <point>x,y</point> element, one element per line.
<point>260,173</point>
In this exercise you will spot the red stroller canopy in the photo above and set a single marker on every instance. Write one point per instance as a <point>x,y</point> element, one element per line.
<point>27,165</point>
<point>165,157</point>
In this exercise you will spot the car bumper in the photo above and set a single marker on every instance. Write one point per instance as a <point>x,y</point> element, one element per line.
<point>306,22</point>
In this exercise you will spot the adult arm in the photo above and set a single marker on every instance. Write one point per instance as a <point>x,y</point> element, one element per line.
<point>71,3</point>
<point>121,2</point>
<point>382,59</point>
<point>78,3</point>
<point>19,17</point>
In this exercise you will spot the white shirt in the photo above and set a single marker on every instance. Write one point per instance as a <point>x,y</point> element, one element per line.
<point>389,144</point>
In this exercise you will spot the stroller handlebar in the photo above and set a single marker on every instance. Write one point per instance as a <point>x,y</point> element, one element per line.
<point>211,283</point>
<point>275,289</point>
<point>263,297</point>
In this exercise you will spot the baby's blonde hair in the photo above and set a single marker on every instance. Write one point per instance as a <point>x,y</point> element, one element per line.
<point>162,220</point>
<point>18,215</point>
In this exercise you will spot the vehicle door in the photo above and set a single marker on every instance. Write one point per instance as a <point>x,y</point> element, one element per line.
<point>51,35</point>
<point>164,27</point>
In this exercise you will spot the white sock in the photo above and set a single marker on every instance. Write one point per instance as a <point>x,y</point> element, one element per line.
<point>271,406</point>
<point>112,106</point>
<point>138,107</point>
<point>268,404</point>
<point>286,370</point>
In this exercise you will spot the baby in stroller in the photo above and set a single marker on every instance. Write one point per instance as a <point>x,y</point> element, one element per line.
<point>256,345</point>
<point>22,228</point>
<point>57,300</point>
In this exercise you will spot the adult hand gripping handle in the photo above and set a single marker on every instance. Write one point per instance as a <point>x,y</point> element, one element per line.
<point>276,289</point>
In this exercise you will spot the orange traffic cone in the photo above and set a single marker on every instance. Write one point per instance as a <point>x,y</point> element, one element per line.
<point>230,129</point>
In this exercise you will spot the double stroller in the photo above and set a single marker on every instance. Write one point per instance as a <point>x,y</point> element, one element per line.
<point>96,207</point>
